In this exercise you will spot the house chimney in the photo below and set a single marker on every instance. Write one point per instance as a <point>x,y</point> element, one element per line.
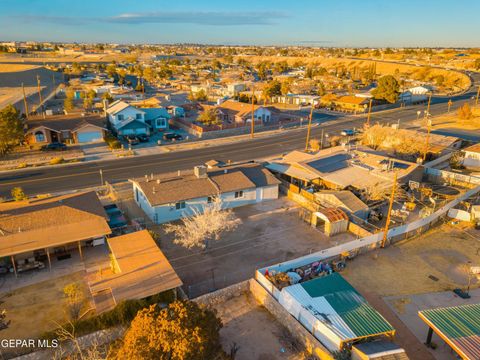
<point>200,171</point>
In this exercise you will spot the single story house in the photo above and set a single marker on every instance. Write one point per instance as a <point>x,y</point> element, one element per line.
<point>170,197</point>
<point>472,156</point>
<point>74,128</point>
<point>297,99</point>
<point>139,269</point>
<point>340,168</point>
<point>351,103</point>
<point>45,229</point>
<point>125,119</point>
<point>231,111</point>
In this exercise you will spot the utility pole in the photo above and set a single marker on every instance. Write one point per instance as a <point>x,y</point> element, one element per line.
<point>307,143</point>
<point>369,113</point>
<point>429,125</point>
<point>40,106</point>
<point>390,206</point>
<point>450,104</point>
<point>428,106</point>
<point>478,94</point>
<point>54,89</point>
<point>252,130</point>
<point>321,141</point>
<point>25,104</point>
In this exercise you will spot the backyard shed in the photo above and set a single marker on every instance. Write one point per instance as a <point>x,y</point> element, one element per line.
<point>333,220</point>
<point>334,312</point>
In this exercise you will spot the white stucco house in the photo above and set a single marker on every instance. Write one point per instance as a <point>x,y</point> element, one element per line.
<point>169,197</point>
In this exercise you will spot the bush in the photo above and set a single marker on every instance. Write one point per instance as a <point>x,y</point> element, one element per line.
<point>18,194</point>
<point>56,161</point>
<point>122,314</point>
<point>112,142</point>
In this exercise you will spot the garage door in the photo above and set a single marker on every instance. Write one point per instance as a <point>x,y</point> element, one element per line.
<point>90,136</point>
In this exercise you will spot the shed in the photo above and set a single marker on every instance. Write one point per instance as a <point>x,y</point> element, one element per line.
<point>334,312</point>
<point>378,350</point>
<point>333,220</point>
<point>345,200</point>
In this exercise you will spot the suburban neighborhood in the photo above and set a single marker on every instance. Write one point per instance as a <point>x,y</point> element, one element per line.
<point>203,184</point>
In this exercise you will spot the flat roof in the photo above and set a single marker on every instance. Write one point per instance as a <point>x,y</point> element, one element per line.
<point>144,269</point>
<point>459,326</point>
<point>45,223</point>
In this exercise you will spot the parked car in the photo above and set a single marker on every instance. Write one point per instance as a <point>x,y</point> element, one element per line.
<point>172,136</point>
<point>143,138</point>
<point>132,139</point>
<point>348,132</point>
<point>54,146</point>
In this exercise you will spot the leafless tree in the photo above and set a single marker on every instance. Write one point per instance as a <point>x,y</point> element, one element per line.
<point>206,224</point>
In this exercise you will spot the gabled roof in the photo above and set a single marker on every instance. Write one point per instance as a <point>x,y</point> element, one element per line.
<point>155,113</point>
<point>342,198</point>
<point>60,123</point>
<point>172,188</point>
<point>118,106</point>
<point>349,99</point>
<point>237,108</point>
<point>38,224</point>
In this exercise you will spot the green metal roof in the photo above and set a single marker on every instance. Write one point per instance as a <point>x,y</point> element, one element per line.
<point>459,326</point>
<point>352,307</point>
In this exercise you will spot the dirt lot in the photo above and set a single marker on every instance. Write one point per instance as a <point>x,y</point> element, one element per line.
<point>257,334</point>
<point>405,267</point>
<point>269,233</point>
<point>16,67</point>
<point>37,308</point>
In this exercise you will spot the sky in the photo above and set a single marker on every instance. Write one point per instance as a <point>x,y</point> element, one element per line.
<point>350,23</point>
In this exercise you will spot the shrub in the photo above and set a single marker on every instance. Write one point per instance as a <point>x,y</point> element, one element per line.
<point>112,142</point>
<point>18,194</point>
<point>122,314</point>
<point>56,161</point>
<point>22,166</point>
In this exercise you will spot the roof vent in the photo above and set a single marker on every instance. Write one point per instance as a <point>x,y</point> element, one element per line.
<point>153,190</point>
<point>200,171</point>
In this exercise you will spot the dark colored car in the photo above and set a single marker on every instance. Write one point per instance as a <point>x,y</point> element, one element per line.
<point>142,138</point>
<point>132,139</point>
<point>172,136</point>
<point>55,146</point>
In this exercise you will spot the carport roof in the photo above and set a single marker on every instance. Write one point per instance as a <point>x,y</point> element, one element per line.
<point>143,269</point>
<point>459,326</point>
<point>55,221</point>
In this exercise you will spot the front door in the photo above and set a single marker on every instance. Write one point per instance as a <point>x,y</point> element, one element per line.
<point>54,136</point>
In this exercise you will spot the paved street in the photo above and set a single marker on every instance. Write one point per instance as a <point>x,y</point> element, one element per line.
<point>35,181</point>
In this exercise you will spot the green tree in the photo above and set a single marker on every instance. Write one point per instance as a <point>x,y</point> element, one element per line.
<point>11,129</point>
<point>387,89</point>
<point>68,103</point>
<point>184,330</point>
<point>273,88</point>
<point>107,96</point>
<point>209,117</point>
<point>201,95</point>
<point>18,194</point>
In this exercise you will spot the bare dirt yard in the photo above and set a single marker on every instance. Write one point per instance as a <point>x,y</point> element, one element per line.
<point>16,67</point>
<point>38,308</point>
<point>268,233</point>
<point>434,261</point>
<point>257,334</point>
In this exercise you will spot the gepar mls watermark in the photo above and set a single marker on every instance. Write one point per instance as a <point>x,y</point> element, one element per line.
<point>28,343</point>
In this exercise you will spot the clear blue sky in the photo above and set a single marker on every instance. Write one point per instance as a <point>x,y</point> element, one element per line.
<point>263,22</point>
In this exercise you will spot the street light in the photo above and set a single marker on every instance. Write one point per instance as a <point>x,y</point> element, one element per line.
<point>101,177</point>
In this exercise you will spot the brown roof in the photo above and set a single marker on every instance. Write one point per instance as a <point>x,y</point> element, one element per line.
<point>66,122</point>
<point>474,148</point>
<point>171,188</point>
<point>349,99</point>
<point>143,269</point>
<point>50,222</point>
<point>237,108</point>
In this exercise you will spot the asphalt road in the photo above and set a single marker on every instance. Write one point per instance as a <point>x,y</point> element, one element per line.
<point>62,178</point>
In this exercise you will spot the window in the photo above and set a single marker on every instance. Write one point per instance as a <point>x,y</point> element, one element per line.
<point>209,199</point>
<point>138,116</point>
<point>238,194</point>
<point>39,136</point>
<point>180,205</point>
<point>161,123</point>
<point>120,117</point>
